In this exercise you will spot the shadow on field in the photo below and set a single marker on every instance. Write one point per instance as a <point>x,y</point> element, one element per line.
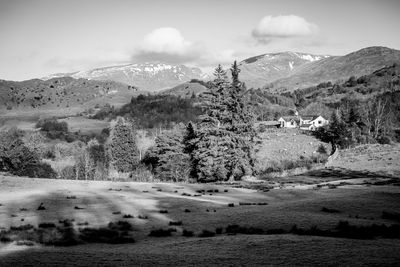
<point>85,212</point>
<point>342,173</point>
<point>63,218</point>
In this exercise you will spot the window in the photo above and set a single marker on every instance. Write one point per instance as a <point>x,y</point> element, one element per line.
<point>292,123</point>
<point>319,122</point>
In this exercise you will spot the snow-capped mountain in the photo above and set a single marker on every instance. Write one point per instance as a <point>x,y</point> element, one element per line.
<point>144,76</point>
<point>260,70</point>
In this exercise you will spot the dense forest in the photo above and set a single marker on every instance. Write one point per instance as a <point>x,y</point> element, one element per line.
<point>154,111</point>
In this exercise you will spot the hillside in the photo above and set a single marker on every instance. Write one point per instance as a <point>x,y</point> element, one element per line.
<point>358,63</point>
<point>145,76</point>
<point>61,93</point>
<point>186,89</point>
<point>260,70</point>
<point>386,79</point>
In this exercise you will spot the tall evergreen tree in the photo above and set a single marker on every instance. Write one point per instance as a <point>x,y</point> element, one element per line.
<point>222,148</point>
<point>168,157</point>
<point>122,151</point>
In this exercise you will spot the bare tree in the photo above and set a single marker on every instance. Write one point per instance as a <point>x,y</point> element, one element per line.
<point>376,117</point>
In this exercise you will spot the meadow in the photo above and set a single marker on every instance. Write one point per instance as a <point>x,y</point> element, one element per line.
<point>171,223</point>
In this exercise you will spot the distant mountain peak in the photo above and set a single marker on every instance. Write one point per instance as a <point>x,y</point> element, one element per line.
<point>149,76</point>
<point>262,69</point>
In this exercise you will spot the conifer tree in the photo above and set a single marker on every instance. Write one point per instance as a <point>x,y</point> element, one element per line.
<point>122,151</point>
<point>222,148</point>
<point>168,158</point>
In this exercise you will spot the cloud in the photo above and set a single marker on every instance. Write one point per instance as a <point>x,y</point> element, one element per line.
<point>167,44</point>
<point>271,27</point>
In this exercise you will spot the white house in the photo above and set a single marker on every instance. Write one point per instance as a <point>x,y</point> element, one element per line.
<point>289,121</point>
<point>312,122</point>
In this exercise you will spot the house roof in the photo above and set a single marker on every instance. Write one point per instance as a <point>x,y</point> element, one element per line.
<point>310,117</point>
<point>289,118</point>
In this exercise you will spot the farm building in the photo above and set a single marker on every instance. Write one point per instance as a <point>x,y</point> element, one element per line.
<point>303,122</point>
<point>290,121</point>
<point>316,121</point>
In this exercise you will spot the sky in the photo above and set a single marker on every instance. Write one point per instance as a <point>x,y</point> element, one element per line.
<point>42,37</point>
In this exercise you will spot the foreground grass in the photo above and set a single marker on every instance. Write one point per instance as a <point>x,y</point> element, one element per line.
<point>79,213</point>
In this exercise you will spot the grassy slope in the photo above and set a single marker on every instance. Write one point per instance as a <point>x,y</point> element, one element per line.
<point>185,90</point>
<point>65,95</point>
<point>285,144</point>
<point>374,158</point>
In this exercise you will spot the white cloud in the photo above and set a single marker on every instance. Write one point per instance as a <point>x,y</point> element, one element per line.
<point>282,27</point>
<point>167,44</point>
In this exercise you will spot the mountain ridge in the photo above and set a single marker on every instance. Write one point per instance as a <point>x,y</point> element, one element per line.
<point>357,63</point>
<point>149,76</point>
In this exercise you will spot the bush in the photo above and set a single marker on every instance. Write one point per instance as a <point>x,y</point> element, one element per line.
<point>105,235</point>
<point>384,140</point>
<point>207,233</point>
<point>52,125</point>
<point>187,233</point>
<point>391,215</point>
<point>329,210</point>
<point>321,149</point>
<point>177,223</point>
<point>16,158</point>
<point>68,173</point>
<point>40,170</point>
<point>46,225</point>
<point>236,229</point>
<point>161,232</point>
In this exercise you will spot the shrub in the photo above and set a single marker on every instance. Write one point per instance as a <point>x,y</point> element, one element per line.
<point>120,225</point>
<point>236,229</point>
<point>105,235</point>
<point>68,173</point>
<point>206,233</point>
<point>52,125</point>
<point>391,215</point>
<point>161,232</point>
<point>46,225</point>
<point>321,149</point>
<point>187,233</point>
<point>177,223</point>
<point>16,158</point>
<point>41,170</point>
<point>384,140</point>
<point>329,210</point>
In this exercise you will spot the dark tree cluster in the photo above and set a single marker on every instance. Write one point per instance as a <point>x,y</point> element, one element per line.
<point>18,159</point>
<point>155,111</point>
<point>358,122</point>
